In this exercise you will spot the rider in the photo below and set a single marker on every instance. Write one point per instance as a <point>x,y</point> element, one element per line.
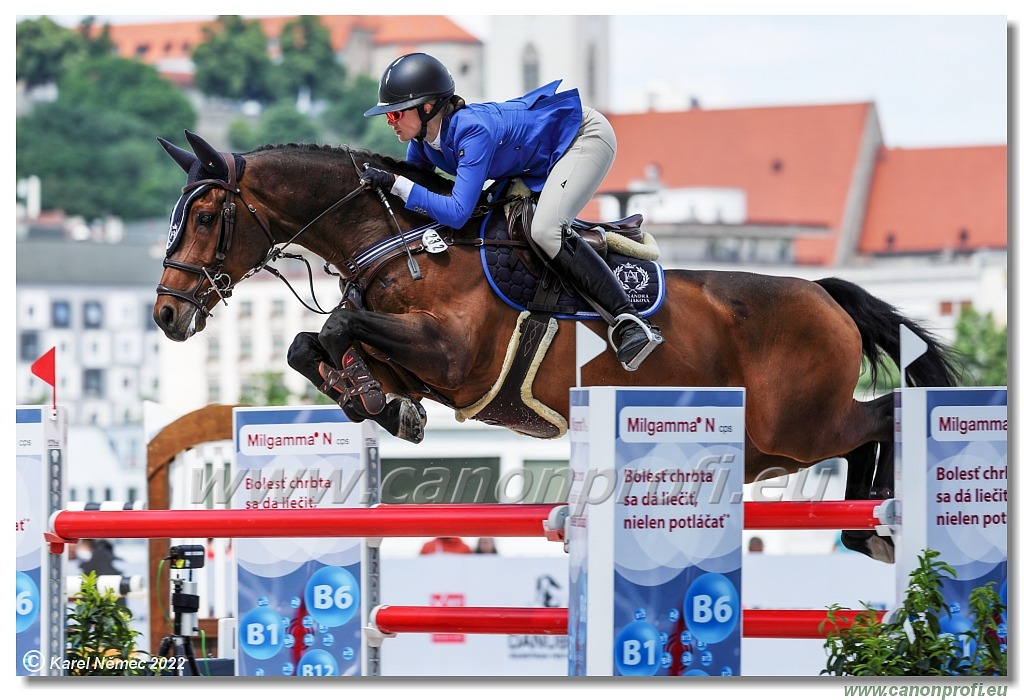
<point>547,139</point>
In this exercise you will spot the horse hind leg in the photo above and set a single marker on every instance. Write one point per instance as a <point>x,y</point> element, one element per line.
<point>871,475</point>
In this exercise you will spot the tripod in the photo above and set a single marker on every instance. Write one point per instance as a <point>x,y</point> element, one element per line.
<point>185,606</point>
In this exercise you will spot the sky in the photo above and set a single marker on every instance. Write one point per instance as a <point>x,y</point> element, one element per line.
<point>936,80</point>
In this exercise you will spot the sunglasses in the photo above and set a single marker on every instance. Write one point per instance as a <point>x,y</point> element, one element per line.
<point>393,117</point>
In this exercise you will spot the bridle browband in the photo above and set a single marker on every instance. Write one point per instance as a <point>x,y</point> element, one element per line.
<point>219,281</point>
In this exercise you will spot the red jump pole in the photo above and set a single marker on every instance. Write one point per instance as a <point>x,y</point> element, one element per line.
<point>757,624</point>
<point>392,619</point>
<point>381,521</point>
<point>812,515</point>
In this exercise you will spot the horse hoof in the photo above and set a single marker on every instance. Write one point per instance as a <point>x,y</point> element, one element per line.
<point>871,544</point>
<point>412,421</point>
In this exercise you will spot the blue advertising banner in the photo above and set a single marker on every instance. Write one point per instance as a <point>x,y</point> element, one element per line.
<point>952,462</point>
<point>675,518</point>
<point>41,436</point>
<point>299,599</point>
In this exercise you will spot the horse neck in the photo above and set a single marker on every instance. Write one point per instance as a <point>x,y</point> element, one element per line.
<point>314,200</point>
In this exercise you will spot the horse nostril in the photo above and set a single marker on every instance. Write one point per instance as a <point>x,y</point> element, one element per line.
<point>166,317</point>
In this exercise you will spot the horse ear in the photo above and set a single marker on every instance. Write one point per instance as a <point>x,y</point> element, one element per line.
<point>183,158</point>
<point>212,159</point>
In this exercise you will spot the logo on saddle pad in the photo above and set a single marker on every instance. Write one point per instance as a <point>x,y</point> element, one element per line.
<point>635,280</point>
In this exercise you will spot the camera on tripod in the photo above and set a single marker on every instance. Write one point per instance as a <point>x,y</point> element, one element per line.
<point>187,556</point>
<point>183,560</point>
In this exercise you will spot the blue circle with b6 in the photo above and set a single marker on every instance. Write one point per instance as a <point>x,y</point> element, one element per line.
<point>711,607</point>
<point>26,601</point>
<point>332,596</point>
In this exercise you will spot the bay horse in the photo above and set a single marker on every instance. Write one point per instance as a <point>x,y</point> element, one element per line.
<point>419,319</point>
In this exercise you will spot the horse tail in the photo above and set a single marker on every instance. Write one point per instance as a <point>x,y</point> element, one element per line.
<point>879,324</point>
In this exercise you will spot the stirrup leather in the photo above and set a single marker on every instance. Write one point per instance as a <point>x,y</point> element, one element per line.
<point>653,334</point>
<point>352,381</point>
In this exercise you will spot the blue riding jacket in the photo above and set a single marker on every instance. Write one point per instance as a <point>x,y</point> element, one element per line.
<point>522,138</point>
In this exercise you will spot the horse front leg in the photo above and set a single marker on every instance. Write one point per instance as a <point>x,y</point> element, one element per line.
<point>400,415</point>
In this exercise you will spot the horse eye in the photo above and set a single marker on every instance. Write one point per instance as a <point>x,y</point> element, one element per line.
<point>205,218</point>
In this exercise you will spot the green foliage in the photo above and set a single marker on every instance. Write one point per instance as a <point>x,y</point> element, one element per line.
<point>307,61</point>
<point>911,642</point>
<point>344,120</point>
<point>94,163</point>
<point>232,61</point>
<point>112,85</point>
<point>44,51</point>
<point>99,632</point>
<point>268,389</point>
<point>982,347</point>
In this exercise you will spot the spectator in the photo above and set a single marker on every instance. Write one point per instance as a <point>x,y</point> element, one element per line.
<point>755,546</point>
<point>446,545</point>
<point>486,545</point>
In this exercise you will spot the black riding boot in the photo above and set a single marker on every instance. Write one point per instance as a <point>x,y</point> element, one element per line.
<point>580,265</point>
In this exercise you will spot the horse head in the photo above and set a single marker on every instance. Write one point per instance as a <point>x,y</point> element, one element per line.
<point>211,245</point>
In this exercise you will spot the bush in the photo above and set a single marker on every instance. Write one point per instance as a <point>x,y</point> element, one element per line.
<point>100,638</point>
<point>910,641</point>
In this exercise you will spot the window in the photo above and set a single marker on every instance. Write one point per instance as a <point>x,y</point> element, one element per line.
<point>61,314</point>
<point>440,480</point>
<point>244,348</point>
<point>213,348</point>
<point>30,346</point>
<point>92,382</point>
<point>277,308</point>
<point>542,481</point>
<point>245,310</point>
<point>92,314</point>
<point>531,68</point>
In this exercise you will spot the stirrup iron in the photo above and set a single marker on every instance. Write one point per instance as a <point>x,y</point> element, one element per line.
<point>652,333</point>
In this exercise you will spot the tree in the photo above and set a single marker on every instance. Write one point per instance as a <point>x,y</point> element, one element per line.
<point>95,148</point>
<point>982,347</point>
<point>44,51</point>
<point>279,123</point>
<point>268,389</point>
<point>127,87</point>
<point>233,62</point>
<point>307,61</point>
<point>344,119</point>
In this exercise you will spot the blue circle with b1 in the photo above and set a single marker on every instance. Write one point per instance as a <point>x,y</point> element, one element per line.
<point>317,662</point>
<point>638,649</point>
<point>260,633</point>
<point>711,607</point>
<point>332,596</point>
<point>26,601</point>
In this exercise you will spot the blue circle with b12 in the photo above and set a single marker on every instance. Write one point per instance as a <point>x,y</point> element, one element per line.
<point>260,633</point>
<point>332,596</point>
<point>711,607</point>
<point>317,662</point>
<point>638,649</point>
<point>26,601</point>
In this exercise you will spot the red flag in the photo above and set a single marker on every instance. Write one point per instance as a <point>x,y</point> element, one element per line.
<point>46,367</point>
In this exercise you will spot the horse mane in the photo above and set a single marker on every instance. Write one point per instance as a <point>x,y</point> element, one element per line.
<point>427,178</point>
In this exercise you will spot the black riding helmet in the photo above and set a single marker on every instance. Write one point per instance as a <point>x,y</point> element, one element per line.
<point>412,81</point>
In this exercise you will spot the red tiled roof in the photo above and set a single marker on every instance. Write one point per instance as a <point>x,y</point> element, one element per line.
<point>176,40</point>
<point>922,199</point>
<point>794,163</point>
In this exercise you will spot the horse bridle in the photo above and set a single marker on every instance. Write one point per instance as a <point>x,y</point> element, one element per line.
<point>220,282</point>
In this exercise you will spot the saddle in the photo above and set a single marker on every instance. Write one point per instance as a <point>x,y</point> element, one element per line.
<point>517,272</point>
<point>519,215</point>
